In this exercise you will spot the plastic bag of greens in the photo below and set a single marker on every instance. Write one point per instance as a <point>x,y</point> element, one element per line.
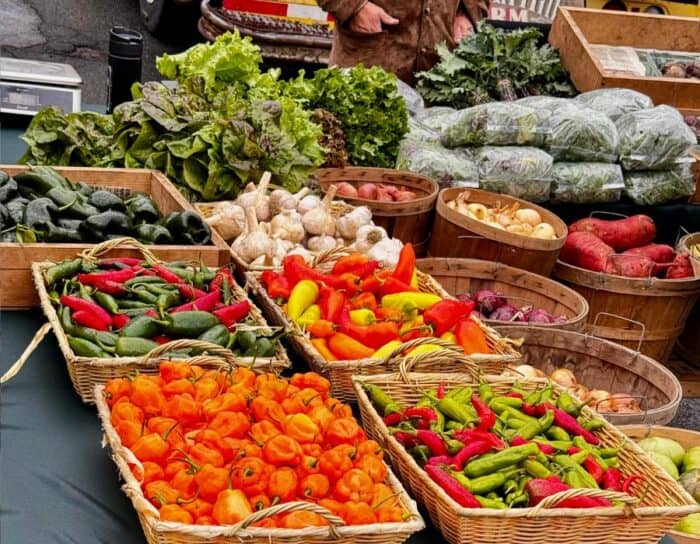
<point>586,182</point>
<point>648,188</point>
<point>417,131</point>
<point>653,139</point>
<point>435,118</point>
<point>523,172</point>
<point>496,123</point>
<point>414,101</point>
<point>615,102</point>
<point>539,102</point>
<point>582,134</point>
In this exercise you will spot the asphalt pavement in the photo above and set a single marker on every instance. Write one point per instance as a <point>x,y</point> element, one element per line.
<point>76,32</point>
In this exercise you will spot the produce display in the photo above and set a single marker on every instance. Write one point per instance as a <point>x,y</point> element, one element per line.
<point>512,218</point>
<point>600,400</point>
<point>504,451</point>
<point>215,446</point>
<point>358,311</point>
<point>228,122</point>
<point>125,307</point>
<point>489,304</point>
<point>623,247</point>
<point>40,205</point>
<point>522,172</point>
<point>494,64</point>
<point>586,182</point>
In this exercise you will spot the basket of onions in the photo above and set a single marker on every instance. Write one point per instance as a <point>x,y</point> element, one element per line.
<point>624,386</point>
<point>495,227</point>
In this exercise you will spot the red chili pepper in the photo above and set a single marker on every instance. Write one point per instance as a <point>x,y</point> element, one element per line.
<point>87,319</point>
<point>167,275</point>
<point>203,304</point>
<point>350,263</point>
<point>612,479</point>
<point>444,315</point>
<point>296,269</point>
<point>473,435</point>
<point>630,480</point>
<point>514,395</point>
<point>407,440</point>
<point>128,261</point>
<point>452,487</point>
<point>570,425</point>
<point>392,286</point>
<point>441,390</point>
<point>371,284</point>
<point>230,315</point>
<point>366,270</point>
<point>441,460</point>
<point>108,286</point>
<point>331,303</point>
<point>96,278</point>
<point>161,339</point>
<point>393,419</point>
<point>77,304</point>
<point>478,447</point>
<point>532,410</point>
<point>190,292</point>
<point>573,450</point>
<point>539,489</point>
<point>373,336</point>
<point>487,417</point>
<point>518,441</point>
<point>547,449</point>
<point>421,416</point>
<point>433,441</point>
<point>151,313</point>
<point>119,321</point>
<point>406,265</point>
<point>223,273</point>
<point>594,469</point>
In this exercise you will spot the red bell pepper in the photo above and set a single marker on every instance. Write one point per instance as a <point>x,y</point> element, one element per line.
<point>203,304</point>
<point>444,315</point>
<point>96,278</point>
<point>230,315</point>
<point>77,304</point>
<point>391,286</point>
<point>471,337</point>
<point>373,336</point>
<point>406,265</point>
<point>331,303</point>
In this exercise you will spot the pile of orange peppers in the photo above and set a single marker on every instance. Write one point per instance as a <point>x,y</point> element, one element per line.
<point>216,446</point>
<point>360,311</point>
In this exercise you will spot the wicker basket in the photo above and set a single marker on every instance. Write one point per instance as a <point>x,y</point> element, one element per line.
<point>660,505</point>
<point>601,364</point>
<point>85,372</point>
<point>526,288</point>
<point>340,372</point>
<point>159,532</point>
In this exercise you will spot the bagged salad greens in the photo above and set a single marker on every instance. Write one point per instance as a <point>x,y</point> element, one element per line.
<point>544,102</point>
<point>523,172</point>
<point>496,123</point>
<point>586,182</point>
<point>653,139</point>
<point>435,118</point>
<point>648,188</point>
<point>615,102</point>
<point>582,134</point>
<point>414,101</point>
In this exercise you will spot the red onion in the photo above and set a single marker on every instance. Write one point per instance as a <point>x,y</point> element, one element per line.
<point>464,297</point>
<point>538,315</point>
<point>505,312</point>
<point>487,301</point>
<point>477,315</point>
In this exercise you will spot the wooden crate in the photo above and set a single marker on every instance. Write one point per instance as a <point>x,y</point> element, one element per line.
<point>574,30</point>
<point>16,285</point>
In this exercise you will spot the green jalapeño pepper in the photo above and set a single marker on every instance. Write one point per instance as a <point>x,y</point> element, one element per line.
<point>218,334</point>
<point>263,347</point>
<point>142,327</point>
<point>488,464</point>
<point>60,271</point>
<point>85,348</point>
<point>189,324</point>
<point>134,347</point>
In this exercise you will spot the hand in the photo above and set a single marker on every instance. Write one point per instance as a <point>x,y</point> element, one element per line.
<point>369,20</point>
<point>462,27</point>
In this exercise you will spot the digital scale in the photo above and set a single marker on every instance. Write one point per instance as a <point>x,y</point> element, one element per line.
<point>26,86</point>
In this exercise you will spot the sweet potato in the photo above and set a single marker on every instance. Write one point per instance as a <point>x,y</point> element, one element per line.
<point>661,254</point>
<point>586,250</point>
<point>680,268</point>
<point>620,234</point>
<point>630,266</point>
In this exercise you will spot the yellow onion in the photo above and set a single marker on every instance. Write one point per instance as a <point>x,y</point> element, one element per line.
<point>564,377</point>
<point>529,216</point>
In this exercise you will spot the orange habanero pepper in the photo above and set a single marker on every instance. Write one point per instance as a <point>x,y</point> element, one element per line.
<point>282,450</point>
<point>282,485</point>
<point>117,389</point>
<point>337,408</point>
<point>152,447</point>
<point>183,408</point>
<point>260,502</point>
<point>271,387</point>
<point>227,402</point>
<point>301,428</point>
<point>173,512</point>
<point>231,506</point>
<point>355,485</point>
<point>359,513</point>
<point>322,417</point>
<point>308,465</point>
<point>178,387</point>
<point>302,519</point>
<point>244,376</point>
<point>162,425</point>
<point>250,475</point>
<point>311,380</point>
<point>151,472</point>
<point>211,481</point>
<point>160,493</point>
<point>337,461</point>
<point>205,520</point>
<point>344,430</point>
<point>175,465</point>
<point>264,409</point>
<point>125,410</point>
<point>174,370</point>
<point>129,431</point>
<point>302,401</point>
<point>370,447</point>
<point>263,431</point>
<point>314,486</point>
<point>206,388</point>
<point>146,394</point>
<point>314,450</point>
<point>202,454</point>
<point>364,300</point>
<point>334,507</point>
<point>234,448</point>
<point>197,507</point>
<point>184,482</point>
<point>233,424</point>
<point>373,467</point>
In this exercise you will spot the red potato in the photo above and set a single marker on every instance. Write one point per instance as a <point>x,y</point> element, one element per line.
<point>586,250</point>
<point>383,194</point>
<point>680,267</point>
<point>402,196</point>
<point>630,266</point>
<point>368,191</point>
<point>391,189</point>
<point>661,254</point>
<point>621,234</point>
<point>346,189</point>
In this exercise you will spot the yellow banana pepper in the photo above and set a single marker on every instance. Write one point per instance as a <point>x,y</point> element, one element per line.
<point>304,294</point>
<point>423,349</point>
<point>386,350</point>
<point>408,301</point>
<point>449,336</point>
<point>310,315</point>
<point>414,279</point>
<point>363,316</point>
<point>414,323</point>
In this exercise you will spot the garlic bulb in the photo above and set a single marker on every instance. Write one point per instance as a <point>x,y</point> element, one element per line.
<point>257,199</point>
<point>308,203</point>
<point>281,199</point>
<point>305,253</point>
<point>351,222</point>
<point>228,220</point>
<point>254,242</point>
<point>287,226</point>
<point>281,249</point>
<point>386,252</point>
<point>319,221</point>
<point>321,243</point>
<point>367,236</point>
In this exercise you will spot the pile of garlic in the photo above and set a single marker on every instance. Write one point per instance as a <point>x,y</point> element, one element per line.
<point>265,228</point>
<point>511,218</point>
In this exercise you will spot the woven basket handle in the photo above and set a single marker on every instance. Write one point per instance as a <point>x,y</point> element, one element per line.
<point>213,350</point>
<point>553,500</point>
<point>100,249</point>
<point>330,255</point>
<point>26,354</point>
<point>333,520</point>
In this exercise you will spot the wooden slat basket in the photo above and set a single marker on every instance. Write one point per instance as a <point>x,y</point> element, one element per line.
<point>340,372</point>
<point>16,285</point>
<point>161,532</point>
<point>459,276</point>
<point>601,364</point>
<point>688,345</point>
<point>658,506</point>
<point>86,372</point>
<point>409,221</point>
<point>456,235</point>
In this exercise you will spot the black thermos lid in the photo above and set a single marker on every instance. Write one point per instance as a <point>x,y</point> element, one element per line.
<point>124,42</point>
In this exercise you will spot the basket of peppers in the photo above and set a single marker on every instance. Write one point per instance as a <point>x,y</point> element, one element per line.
<point>115,315</point>
<point>349,316</point>
<point>503,461</point>
<point>239,455</point>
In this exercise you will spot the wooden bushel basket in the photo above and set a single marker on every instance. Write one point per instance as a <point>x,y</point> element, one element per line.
<point>655,505</point>
<point>689,342</point>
